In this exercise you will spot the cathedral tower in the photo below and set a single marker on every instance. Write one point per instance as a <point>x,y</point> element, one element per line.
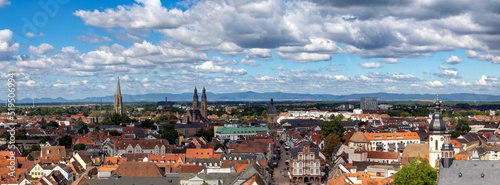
<point>272,119</point>
<point>195,99</point>
<point>118,99</point>
<point>204,104</point>
<point>437,129</point>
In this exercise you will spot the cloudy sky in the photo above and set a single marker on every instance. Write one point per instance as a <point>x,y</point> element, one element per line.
<point>76,49</point>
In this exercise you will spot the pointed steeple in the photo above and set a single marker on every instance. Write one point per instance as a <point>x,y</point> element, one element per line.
<point>195,95</point>
<point>203,95</point>
<point>118,98</point>
<point>204,104</point>
<point>118,90</point>
<point>195,99</point>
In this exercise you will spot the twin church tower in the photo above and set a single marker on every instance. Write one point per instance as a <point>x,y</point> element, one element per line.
<point>197,112</point>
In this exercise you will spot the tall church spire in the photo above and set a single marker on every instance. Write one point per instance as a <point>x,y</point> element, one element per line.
<point>118,98</point>
<point>439,139</point>
<point>195,99</point>
<point>118,90</point>
<point>204,103</point>
<point>203,94</point>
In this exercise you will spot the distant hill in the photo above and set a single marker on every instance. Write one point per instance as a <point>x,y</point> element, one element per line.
<point>279,96</point>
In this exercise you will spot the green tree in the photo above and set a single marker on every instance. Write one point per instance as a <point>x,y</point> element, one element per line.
<point>417,172</point>
<point>207,134</point>
<point>114,133</point>
<point>332,116</point>
<point>53,124</point>
<point>456,134</point>
<point>20,136</point>
<point>65,141</point>
<point>83,129</point>
<point>453,121</point>
<point>340,117</point>
<point>147,124</point>
<point>463,126</point>
<point>35,148</point>
<point>106,121</point>
<point>97,128</point>
<point>172,117</point>
<point>331,141</point>
<point>333,126</point>
<point>361,123</point>
<point>169,133</point>
<point>79,147</point>
<point>161,118</point>
<point>405,114</point>
<point>45,139</point>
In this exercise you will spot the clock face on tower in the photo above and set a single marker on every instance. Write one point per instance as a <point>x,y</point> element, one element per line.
<point>441,139</point>
<point>432,139</point>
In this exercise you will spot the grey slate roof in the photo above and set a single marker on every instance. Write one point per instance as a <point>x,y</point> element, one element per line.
<point>243,156</point>
<point>301,123</point>
<point>192,125</point>
<point>249,171</point>
<point>202,160</point>
<point>349,124</point>
<point>135,181</point>
<point>295,151</point>
<point>225,178</point>
<point>471,171</point>
<point>494,139</point>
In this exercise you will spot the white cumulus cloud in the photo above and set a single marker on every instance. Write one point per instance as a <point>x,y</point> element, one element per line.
<point>370,65</point>
<point>454,60</point>
<point>42,49</point>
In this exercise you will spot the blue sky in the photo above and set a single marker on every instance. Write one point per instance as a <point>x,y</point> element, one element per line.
<point>77,49</point>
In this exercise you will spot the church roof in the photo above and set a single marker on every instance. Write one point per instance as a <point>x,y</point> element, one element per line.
<point>416,150</point>
<point>359,137</point>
